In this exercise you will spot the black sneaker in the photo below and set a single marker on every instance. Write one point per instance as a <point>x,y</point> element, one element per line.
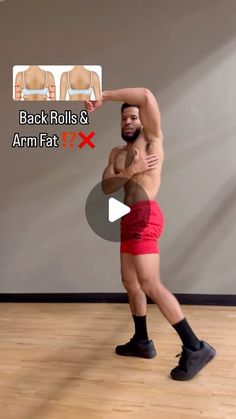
<point>191,362</point>
<point>142,349</point>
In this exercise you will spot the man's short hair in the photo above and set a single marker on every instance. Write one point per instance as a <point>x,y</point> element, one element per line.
<point>127,105</point>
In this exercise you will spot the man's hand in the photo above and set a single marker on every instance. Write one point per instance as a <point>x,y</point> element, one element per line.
<point>91,105</point>
<point>141,164</point>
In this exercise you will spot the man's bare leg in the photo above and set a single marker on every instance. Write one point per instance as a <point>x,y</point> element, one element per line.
<point>148,273</point>
<point>137,298</point>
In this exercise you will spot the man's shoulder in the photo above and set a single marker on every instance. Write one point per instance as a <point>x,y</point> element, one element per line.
<point>115,152</point>
<point>118,149</point>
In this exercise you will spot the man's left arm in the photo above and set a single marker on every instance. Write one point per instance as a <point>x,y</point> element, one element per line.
<point>148,108</point>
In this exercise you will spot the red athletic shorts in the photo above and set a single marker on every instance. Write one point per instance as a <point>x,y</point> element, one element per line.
<point>141,228</point>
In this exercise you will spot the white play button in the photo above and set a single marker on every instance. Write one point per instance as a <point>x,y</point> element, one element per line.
<point>103,211</point>
<point>116,210</point>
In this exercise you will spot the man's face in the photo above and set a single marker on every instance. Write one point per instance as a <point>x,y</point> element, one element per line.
<point>130,124</point>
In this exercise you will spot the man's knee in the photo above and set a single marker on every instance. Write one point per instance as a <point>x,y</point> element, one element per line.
<point>131,284</point>
<point>149,284</point>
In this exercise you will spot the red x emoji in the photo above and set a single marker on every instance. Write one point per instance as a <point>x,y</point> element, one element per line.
<point>86,139</point>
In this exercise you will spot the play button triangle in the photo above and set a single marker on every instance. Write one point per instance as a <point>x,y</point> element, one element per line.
<point>116,210</point>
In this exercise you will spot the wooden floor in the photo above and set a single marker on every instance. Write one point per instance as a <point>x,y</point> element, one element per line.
<point>57,361</point>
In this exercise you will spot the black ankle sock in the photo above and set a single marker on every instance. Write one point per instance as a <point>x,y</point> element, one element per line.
<point>140,328</point>
<point>187,335</point>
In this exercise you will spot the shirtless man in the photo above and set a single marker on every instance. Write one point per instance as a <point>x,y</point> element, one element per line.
<point>140,161</point>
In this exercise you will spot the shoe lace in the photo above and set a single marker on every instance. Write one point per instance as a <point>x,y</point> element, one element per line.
<point>183,358</point>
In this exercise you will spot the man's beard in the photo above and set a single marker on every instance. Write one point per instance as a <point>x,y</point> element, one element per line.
<point>130,138</point>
